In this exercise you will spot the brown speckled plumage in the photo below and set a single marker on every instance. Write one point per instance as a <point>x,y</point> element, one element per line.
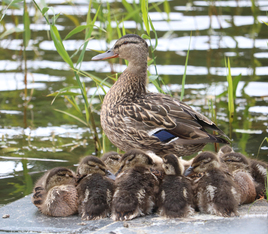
<point>55,193</point>
<point>239,166</point>
<point>132,117</point>
<point>225,149</point>
<point>95,190</point>
<point>111,160</point>
<point>175,198</point>
<point>215,192</point>
<point>136,187</point>
<point>259,174</point>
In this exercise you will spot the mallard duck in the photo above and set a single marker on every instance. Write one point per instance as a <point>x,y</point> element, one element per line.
<point>225,149</point>
<point>95,190</point>
<point>111,160</point>
<point>239,166</point>
<point>136,187</point>
<point>259,174</point>
<point>55,194</point>
<point>215,192</point>
<point>132,117</point>
<point>175,199</point>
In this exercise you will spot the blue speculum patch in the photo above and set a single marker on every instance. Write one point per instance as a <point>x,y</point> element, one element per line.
<point>164,135</point>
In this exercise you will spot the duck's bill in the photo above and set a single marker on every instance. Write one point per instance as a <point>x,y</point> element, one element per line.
<point>189,171</point>
<point>110,175</point>
<point>107,55</point>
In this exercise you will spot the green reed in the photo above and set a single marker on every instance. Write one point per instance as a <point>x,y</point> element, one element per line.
<point>139,12</point>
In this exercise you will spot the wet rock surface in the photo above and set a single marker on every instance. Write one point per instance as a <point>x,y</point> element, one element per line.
<point>24,217</point>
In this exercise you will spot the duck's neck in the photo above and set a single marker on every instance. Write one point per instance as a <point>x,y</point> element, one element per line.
<point>130,85</point>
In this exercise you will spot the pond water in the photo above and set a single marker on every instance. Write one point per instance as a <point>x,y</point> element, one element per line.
<point>35,137</point>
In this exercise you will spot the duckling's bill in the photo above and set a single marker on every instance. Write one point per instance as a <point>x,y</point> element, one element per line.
<point>189,171</point>
<point>107,55</point>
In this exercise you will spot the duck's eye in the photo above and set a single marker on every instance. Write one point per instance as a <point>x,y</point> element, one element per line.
<point>166,167</point>
<point>125,42</point>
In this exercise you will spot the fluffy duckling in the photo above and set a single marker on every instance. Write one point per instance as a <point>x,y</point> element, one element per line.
<point>55,193</point>
<point>239,166</point>
<point>175,199</point>
<point>225,149</point>
<point>111,160</point>
<point>95,190</point>
<point>136,187</point>
<point>215,192</point>
<point>259,174</point>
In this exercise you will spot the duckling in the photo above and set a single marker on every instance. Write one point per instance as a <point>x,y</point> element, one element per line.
<point>136,187</point>
<point>239,166</point>
<point>95,190</point>
<point>186,163</point>
<point>132,117</point>
<point>225,149</point>
<point>55,193</point>
<point>175,199</point>
<point>259,174</point>
<point>215,192</point>
<point>111,160</point>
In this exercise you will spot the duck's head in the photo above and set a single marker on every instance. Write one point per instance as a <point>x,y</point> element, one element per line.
<point>224,150</point>
<point>90,165</point>
<point>236,161</point>
<point>130,47</point>
<point>172,165</point>
<point>59,176</point>
<point>133,158</point>
<point>112,161</point>
<point>203,162</point>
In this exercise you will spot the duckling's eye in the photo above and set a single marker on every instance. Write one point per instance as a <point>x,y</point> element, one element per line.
<point>116,159</point>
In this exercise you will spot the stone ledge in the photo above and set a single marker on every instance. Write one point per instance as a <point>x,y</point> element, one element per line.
<point>24,217</point>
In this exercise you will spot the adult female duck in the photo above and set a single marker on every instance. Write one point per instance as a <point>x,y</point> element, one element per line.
<point>132,117</point>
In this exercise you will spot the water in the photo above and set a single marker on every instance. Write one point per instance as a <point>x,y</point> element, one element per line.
<point>35,137</point>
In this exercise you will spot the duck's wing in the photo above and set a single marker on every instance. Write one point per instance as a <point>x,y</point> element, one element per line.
<point>169,119</point>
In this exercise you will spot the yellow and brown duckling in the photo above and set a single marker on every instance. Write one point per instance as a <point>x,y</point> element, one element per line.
<point>259,174</point>
<point>175,199</point>
<point>132,117</point>
<point>111,160</point>
<point>95,190</point>
<point>239,166</point>
<point>55,193</point>
<point>215,192</point>
<point>136,187</point>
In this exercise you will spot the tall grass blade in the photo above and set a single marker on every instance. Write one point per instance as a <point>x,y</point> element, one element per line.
<point>235,84</point>
<point>73,116</point>
<point>88,32</point>
<point>264,139</point>
<point>79,29</point>
<point>10,31</point>
<point>184,74</point>
<point>26,23</point>
<point>59,45</point>
<point>144,10</point>
<point>230,92</point>
<point>167,9</point>
<point>12,3</point>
